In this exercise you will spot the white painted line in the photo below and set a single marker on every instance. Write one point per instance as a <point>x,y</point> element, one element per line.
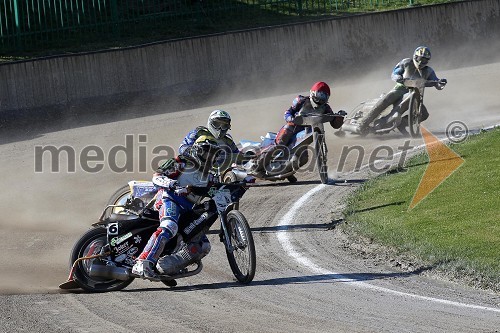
<point>282,235</point>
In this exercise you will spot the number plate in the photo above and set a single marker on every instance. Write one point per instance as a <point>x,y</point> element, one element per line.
<point>222,199</point>
<point>113,229</point>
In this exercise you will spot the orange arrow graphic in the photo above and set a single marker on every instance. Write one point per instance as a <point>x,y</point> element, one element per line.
<point>442,163</point>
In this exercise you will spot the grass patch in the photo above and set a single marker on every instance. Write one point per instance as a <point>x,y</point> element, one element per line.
<point>455,229</point>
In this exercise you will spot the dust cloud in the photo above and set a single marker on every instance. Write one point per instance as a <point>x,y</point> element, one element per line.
<point>45,213</point>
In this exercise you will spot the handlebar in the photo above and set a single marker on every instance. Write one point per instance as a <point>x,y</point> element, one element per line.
<point>421,83</point>
<point>203,190</point>
<point>302,119</point>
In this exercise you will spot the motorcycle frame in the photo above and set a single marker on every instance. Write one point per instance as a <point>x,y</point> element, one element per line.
<point>314,123</point>
<point>221,216</point>
<point>416,88</point>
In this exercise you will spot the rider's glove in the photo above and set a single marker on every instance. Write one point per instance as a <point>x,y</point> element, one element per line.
<point>289,119</point>
<point>173,185</point>
<point>194,151</point>
<point>182,191</point>
<point>342,113</point>
<point>441,84</point>
<point>399,79</point>
<point>338,121</point>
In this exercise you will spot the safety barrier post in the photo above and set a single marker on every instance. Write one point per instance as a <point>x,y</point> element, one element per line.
<point>114,18</point>
<point>299,7</point>
<point>18,27</point>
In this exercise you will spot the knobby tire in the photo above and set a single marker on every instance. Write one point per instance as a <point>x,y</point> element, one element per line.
<point>93,238</point>
<point>243,259</point>
<point>414,115</point>
<point>321,157</point>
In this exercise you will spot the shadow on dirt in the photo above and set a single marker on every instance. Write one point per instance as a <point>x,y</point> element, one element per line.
<point>306,279</point>
<point>398,203</point>
<point>346,182</point>
<point>335,182</point>
<point>291,228</point>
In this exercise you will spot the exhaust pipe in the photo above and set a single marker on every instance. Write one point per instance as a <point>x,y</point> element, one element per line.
<point>109,272</point>
<point>350,128</point>
<point>239,174</point>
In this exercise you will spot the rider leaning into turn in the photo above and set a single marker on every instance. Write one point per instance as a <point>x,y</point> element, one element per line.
<point>199,151</point>
<point>316,102</point>
<point>218,124</point>
<point>416,67</point>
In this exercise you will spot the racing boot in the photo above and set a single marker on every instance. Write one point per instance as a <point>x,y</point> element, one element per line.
<point>402,126</point>
<point>255,167</point>
<point>144,269</point>
<point>358,129</point>
<point>185,256</point>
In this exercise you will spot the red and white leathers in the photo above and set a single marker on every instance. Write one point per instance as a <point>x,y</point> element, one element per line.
<point>300,103</point>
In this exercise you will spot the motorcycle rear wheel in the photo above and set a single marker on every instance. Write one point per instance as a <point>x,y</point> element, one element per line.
<point>414,115</point>
<point>242,259</point>
<point>229,177</point>
<point>321,152</point>
<point>90,244</point>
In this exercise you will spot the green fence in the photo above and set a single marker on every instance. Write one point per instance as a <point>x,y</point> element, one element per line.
<point>42,24</point>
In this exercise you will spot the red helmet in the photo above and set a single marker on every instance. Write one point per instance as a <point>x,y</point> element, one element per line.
<point>319,94</point>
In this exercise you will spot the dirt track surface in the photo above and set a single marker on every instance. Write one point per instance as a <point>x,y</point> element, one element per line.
<point>306,280</point>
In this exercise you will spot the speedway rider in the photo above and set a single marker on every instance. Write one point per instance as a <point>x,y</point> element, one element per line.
<point>416,67</point>
<point>199,151</point>
<point>316,102</point>
<point>173,199</point>
<point>218,124</point>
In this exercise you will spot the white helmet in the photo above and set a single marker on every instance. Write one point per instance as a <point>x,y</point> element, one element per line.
<point>219,122</point>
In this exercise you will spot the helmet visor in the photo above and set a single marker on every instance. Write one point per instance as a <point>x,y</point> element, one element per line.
<point>319,97</point>
<point>221,124</point>
<point>422,61</point>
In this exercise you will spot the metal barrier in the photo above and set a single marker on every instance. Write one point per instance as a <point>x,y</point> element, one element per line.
<point>37,24</point>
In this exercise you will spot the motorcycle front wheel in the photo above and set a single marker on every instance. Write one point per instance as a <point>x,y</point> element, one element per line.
<point>242,259</point>
<point>321,153</point>
<point>414,115</point>
<point>91,244</point>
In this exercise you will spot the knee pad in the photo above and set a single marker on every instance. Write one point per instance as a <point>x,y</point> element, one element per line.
<point>170,226</point>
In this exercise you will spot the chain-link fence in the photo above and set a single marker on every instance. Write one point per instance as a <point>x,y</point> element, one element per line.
<point>43,24</point>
